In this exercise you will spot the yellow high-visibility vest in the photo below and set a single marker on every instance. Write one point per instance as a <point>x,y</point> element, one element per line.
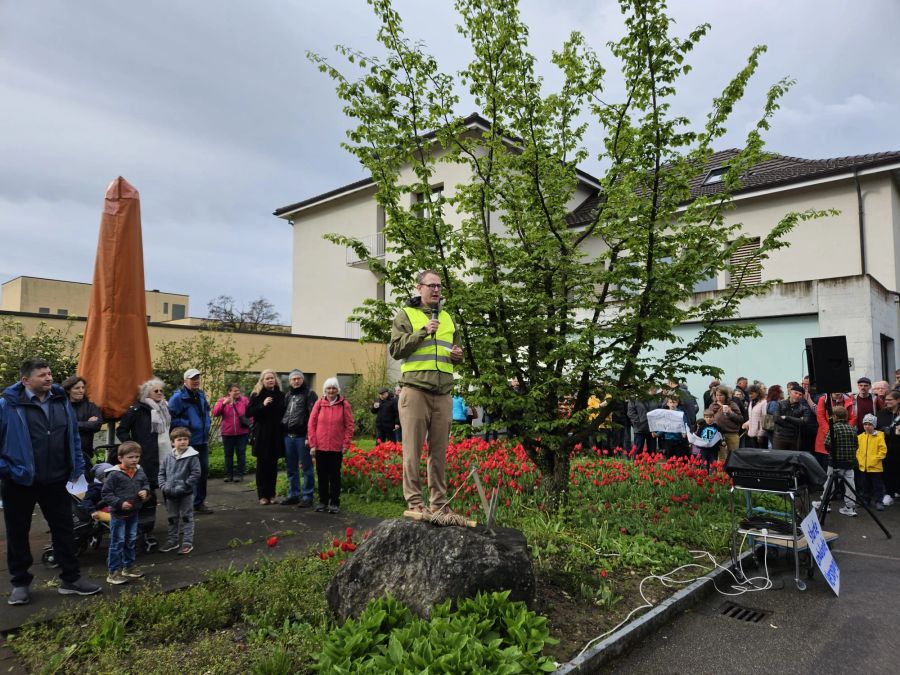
<point>434,352</point>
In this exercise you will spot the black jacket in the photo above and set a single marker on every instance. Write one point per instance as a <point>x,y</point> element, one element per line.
<point>886,421</point>
<point>387,415</point>
<point>268,433</point>
<point>84,410</point>
<point>796,416</point>
<point>135,426</point>
<point>637,414</point>
<point>298,404</point>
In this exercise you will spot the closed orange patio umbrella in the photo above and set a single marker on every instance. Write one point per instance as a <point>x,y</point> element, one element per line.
<point>115,353</point>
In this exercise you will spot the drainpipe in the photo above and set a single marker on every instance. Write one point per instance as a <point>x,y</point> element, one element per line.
<point>862,225</point>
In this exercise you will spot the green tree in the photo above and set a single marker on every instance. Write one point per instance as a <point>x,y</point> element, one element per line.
<point>213,353</point>
<point>362,392</point>
<point>260,316</point>
<point>60,348</point>
<point>529,298</point>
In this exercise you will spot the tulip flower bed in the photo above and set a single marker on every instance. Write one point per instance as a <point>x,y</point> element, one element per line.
<point>624,517</point>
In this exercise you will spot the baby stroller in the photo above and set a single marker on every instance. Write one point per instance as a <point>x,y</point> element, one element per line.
<point>146,543</point>
<point>88,532</point>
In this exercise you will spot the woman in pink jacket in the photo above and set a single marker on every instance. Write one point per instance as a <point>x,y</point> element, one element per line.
<point>232,408</point>
<point>330,431</point>
<point>754,425</point>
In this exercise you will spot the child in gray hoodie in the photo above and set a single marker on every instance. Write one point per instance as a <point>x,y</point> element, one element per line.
<point>178,474</point>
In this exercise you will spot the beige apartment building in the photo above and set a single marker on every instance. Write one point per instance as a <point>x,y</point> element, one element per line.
<point>35,295</point>
<point>839,276</point>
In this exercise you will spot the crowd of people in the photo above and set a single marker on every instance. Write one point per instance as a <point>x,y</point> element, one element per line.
<point>47,434</point>
<point>47,452</point>
<point>866,425</point>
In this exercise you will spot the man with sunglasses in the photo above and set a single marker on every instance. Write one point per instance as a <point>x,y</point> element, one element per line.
<point>425,341</point>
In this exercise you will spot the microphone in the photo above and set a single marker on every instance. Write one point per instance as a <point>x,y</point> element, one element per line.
<point>435,311</point>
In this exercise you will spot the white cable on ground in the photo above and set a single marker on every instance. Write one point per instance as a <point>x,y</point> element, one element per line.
<point>668,582</point>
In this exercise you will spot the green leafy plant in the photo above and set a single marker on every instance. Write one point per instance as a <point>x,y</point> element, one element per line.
<point>488,633</point>
<point>60,348</point>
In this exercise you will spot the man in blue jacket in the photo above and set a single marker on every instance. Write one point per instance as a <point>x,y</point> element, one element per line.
<point>189,408</point>
<point>40,451</point>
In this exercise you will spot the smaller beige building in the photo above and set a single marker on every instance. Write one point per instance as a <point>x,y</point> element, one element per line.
<point>318,357</point>
<point>35,295</point>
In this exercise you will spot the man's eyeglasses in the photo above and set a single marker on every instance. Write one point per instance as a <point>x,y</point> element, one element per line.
<point>157,391</point>
<point>434,287</point>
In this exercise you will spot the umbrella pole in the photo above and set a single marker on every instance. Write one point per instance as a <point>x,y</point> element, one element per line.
<point>111,433</point>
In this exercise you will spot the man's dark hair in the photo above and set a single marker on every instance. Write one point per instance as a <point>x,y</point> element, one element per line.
<point>32,365</point>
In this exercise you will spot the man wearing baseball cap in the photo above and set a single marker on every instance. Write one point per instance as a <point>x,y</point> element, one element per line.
<point>189,408</point>
<point>791,416</point>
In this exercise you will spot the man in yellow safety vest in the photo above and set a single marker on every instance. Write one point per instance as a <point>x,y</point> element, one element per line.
<point>425,341</point>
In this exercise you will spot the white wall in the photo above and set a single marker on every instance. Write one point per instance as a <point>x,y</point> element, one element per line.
<point>325,288</point>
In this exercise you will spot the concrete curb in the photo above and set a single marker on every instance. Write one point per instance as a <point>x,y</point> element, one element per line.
<point>627,636</point>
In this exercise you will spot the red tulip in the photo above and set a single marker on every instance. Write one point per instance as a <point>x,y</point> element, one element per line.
<point>272,541</point>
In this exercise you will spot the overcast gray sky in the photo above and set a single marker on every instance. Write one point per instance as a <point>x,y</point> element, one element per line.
<point>213,112</point>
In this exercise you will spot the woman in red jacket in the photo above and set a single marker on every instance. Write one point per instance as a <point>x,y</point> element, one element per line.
<point>330,432</point>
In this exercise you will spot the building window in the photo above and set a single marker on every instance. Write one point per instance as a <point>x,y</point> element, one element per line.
<point>747,267</point>
<point>419,198</point>
<point>888,362</point>
<point>165,308</point>
<point>717,175</point>
<point>707,285</point>
<point>346,380</point>
<point>43,310</point>
<point>178,311</point>
<point>62,312</point>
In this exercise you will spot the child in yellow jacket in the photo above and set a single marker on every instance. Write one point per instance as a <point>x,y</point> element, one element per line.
<point>870,452</point>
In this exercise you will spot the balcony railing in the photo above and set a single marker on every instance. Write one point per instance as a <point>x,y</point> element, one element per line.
<point>374,244</point>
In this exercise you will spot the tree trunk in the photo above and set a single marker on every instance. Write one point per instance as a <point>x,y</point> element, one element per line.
<point>556,478</point>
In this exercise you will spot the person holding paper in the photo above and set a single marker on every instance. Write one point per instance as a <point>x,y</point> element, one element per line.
<point>40,451</point>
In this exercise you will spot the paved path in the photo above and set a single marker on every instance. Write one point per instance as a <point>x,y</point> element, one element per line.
<point>237,516</point>
<point>806,632</point>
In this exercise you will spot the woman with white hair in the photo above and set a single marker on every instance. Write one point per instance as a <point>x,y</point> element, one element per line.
<point>147,422</point>
<point>330,432</point>
<point>266,407</point>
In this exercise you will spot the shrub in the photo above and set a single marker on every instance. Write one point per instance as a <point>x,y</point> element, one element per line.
<point>488,633</point>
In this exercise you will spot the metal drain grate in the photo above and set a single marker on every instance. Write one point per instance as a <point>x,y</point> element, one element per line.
<point>732,610</point>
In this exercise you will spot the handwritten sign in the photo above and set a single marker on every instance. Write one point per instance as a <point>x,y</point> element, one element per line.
<point>665,420</point>
<point>818,548</point>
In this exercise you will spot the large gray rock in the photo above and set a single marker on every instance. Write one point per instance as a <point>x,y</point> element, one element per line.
<point>422,565</point>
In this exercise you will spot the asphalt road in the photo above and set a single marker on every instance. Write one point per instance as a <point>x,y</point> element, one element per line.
<point>804,632</point>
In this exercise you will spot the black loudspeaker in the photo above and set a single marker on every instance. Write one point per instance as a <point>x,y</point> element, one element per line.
<point>828,364</point>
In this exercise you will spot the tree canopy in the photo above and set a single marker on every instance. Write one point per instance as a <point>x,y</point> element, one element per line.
<point>259,316</point>
<point>568,311</point>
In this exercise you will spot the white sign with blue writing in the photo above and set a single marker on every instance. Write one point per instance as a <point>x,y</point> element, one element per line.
<point>818,549</point>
